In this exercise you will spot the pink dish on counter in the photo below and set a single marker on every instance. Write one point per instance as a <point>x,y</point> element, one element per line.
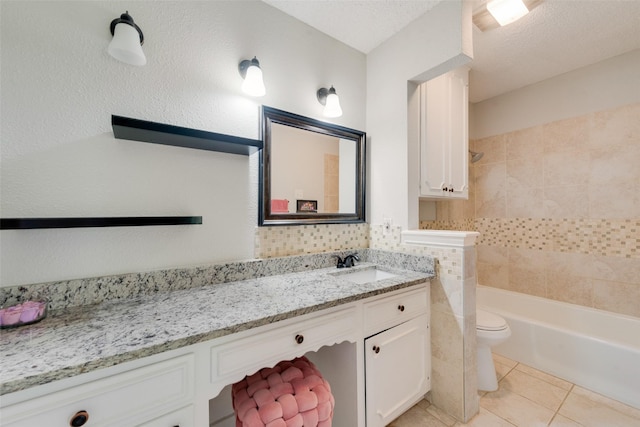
<point>24,313</point>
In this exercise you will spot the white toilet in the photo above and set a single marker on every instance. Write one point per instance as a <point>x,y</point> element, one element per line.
<point>491,330</point>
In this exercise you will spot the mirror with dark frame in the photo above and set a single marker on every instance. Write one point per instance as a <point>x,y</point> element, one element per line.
<point>312,172</point>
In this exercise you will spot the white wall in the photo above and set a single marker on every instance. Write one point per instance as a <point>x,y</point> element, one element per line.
<point>59,157</point>
<point>431,45</point>
<point>601,86</point>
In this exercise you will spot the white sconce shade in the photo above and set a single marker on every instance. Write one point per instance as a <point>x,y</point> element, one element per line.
<point>252,74</point>
<point>126,45</point>
<point>507,11</point>
<point>331,102</point>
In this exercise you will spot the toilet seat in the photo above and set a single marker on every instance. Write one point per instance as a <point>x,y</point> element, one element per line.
<point>486,321</point>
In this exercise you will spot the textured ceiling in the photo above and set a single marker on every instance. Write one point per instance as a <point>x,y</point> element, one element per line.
<point>556,37</point>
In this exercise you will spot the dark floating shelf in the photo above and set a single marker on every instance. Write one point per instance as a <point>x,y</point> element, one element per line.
<point>133,221</point>
<point>158,133</point>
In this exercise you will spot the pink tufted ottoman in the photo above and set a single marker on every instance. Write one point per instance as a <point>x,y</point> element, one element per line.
<point>291,394</point>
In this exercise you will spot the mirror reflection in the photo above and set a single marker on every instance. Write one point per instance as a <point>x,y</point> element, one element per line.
<point>313,172</point>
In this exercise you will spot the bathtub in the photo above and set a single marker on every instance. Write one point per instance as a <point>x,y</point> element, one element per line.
<point>594,349</point>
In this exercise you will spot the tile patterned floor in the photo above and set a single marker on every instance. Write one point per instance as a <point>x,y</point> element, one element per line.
<point>527,397</point>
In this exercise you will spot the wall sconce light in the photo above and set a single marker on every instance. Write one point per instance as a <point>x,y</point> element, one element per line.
<point>252,74</point>
<point>126,45</point>
<point>331,102</point>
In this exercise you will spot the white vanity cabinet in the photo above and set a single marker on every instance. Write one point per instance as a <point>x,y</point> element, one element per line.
<point>397,359</point>
<point>174,388</point>
<point>444,136</point>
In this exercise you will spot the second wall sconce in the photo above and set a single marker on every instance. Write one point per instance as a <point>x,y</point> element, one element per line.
<point>331,102</point>
<point>126,45</point>
<point>252,74</point>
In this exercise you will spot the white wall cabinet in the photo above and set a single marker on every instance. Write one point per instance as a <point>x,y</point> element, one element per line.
<point>444,136</point>
<point>397,356</point>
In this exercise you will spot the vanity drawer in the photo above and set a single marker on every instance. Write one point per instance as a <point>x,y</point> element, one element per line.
<point>130,398</point>
<point>248,355</point>
<point>389,311</point>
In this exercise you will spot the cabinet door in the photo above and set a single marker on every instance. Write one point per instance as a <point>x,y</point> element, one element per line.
<point>397,370</point>
<point>458,149</point>
<point>444,136</point>
<point>434,136</point>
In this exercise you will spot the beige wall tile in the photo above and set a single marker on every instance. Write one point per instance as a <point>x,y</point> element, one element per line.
<point>493,147</point>
<point>617,297</point>
<point>447,390</point>
<point>618,269</point>
<point>491,191</point>
<point>569,264</point>
<point>527,281</point>
<point>587,218</point>
<point>561,169</point>
<point>525,203</point>
<point>566,135</point>
<point>524,173</point>
<point>617,127</point>
<point>570,289</point>
<point>524,144</point>
<point>494,255</point>
<point>528,259</point>
<point>619,204</point>
<point>527,271</point>
<point>566,201</point>
<point>615,166</point>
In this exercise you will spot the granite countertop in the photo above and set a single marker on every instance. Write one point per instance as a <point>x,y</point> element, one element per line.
<point>82,339</point>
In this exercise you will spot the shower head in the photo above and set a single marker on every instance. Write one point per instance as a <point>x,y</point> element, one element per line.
<point>475,156</point>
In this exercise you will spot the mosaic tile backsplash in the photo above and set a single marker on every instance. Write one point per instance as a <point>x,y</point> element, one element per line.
<point>558,209</point>
<point>309,239</point>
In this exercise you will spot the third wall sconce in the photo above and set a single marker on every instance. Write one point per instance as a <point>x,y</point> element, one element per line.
<point>331,102</point>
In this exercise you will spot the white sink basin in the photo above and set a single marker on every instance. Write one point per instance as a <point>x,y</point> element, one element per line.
<point>365,276</point>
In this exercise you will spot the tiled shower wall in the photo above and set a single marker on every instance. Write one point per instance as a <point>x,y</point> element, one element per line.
<point>558,209</point>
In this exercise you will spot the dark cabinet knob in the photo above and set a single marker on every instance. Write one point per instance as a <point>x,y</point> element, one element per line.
<point>376,349</point>
<point>451,190</point>
<point>79,419</point>
<point>299,339</point>
<point>401,307</point>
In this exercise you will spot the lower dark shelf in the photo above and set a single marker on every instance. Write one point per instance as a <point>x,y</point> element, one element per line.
<point>133,221</point>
